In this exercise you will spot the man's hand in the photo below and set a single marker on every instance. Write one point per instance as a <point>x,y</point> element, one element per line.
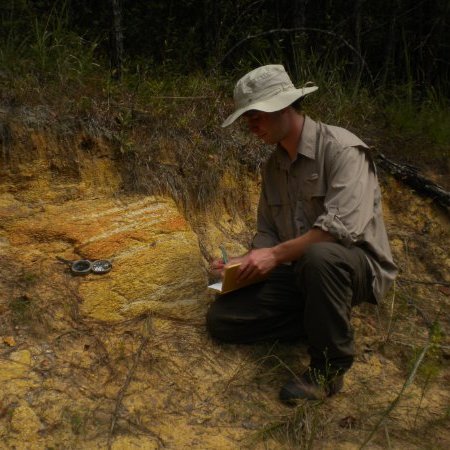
<point>216,267</point>
<point>257,263</point>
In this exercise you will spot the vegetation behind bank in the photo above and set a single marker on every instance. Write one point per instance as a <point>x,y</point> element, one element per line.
<point>162,106</point>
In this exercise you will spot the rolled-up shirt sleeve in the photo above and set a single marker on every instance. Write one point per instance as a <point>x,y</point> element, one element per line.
<point>349,200</point>
<point>266,235</point>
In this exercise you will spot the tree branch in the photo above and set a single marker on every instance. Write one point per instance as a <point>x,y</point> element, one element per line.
<point>292,30</point>
<point>410,176</point>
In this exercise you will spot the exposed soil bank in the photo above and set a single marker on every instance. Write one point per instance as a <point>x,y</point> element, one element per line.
<point>123,360</point>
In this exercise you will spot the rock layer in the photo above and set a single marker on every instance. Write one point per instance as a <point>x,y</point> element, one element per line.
<point>157,263</point>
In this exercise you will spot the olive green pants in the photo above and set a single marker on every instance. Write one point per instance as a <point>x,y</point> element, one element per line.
<point>310,300</point>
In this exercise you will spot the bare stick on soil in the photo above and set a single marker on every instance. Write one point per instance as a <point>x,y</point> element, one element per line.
<point>397,399</point>
<point>123,389</point>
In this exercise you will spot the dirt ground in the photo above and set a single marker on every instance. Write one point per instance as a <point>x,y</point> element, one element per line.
<point>156,380</point>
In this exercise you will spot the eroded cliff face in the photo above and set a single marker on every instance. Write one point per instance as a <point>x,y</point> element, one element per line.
<point>149,242</point>
<point>64,197</point>
<point>123,360</point>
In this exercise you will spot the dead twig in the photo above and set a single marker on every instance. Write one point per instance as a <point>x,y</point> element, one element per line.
<point>123,389</point>
<point>408,280</point>
<point>425,318</point>
<point>396,401</point>
<point>83,330</point>
<point>144,430</point>
<point>430,342</point>
<point>415,344</point>
<point>391,316</point>
<point>140,318</point>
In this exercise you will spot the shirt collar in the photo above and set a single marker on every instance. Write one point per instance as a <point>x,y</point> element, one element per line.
<point>306,145</point>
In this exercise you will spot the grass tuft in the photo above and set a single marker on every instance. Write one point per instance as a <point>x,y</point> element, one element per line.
<point>300,429</point>
<point>21,309</point>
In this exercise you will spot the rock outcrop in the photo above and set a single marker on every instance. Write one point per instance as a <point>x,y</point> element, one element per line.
<point>157,264</point>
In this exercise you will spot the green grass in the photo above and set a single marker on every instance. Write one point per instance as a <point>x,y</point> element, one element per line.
<point>430,118</point>
<point>45,48</point>
<point>166,126</point>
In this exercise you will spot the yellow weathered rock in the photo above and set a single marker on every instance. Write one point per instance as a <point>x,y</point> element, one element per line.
<point>9,371</point>
<point>25,422</point>
<point>21,357</point>
<point>16,377</point>
<point>157,264</point>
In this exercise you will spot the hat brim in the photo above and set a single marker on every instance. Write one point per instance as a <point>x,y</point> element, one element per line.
<point>272,104</point>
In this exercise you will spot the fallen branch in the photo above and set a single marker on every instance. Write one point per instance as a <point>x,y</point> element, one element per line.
<point>411,177</point>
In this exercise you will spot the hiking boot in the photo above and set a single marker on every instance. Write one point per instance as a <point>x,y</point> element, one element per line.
<point>311,385</point>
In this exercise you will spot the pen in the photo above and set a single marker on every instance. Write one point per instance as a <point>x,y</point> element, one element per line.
<point>224,254</point>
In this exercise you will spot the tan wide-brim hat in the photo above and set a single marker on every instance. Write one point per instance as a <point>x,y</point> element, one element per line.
<point>268,89</point>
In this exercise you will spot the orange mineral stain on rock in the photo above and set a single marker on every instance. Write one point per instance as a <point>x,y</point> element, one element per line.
<point>156,257</point>
<point>175,224</point>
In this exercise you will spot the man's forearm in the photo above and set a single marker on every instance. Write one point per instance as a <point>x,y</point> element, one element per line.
<point>294,248</point>
<point>261,261</point>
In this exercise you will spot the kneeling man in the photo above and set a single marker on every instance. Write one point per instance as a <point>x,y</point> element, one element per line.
<point>321,242</point>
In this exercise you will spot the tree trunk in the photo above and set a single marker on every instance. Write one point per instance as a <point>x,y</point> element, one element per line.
<point>117,50</point>
<point>299,16</point>
<point>357,31</point>
<point>389,56</point>
<point>297,19</point>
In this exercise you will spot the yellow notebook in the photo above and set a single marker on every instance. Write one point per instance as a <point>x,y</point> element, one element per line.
<point>229,282</point>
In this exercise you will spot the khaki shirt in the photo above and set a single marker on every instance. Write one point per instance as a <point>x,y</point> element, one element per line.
<point>332,185</point>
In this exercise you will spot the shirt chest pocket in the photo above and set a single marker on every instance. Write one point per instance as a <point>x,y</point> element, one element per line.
<point>279,211</point>
<point>312,198</point>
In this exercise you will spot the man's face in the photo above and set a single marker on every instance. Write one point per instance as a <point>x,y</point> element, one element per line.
<point>270,127</point>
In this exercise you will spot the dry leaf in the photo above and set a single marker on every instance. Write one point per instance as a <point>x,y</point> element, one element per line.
<point>3,410</point>
<point>444,290</point>
<point>9,340</point>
